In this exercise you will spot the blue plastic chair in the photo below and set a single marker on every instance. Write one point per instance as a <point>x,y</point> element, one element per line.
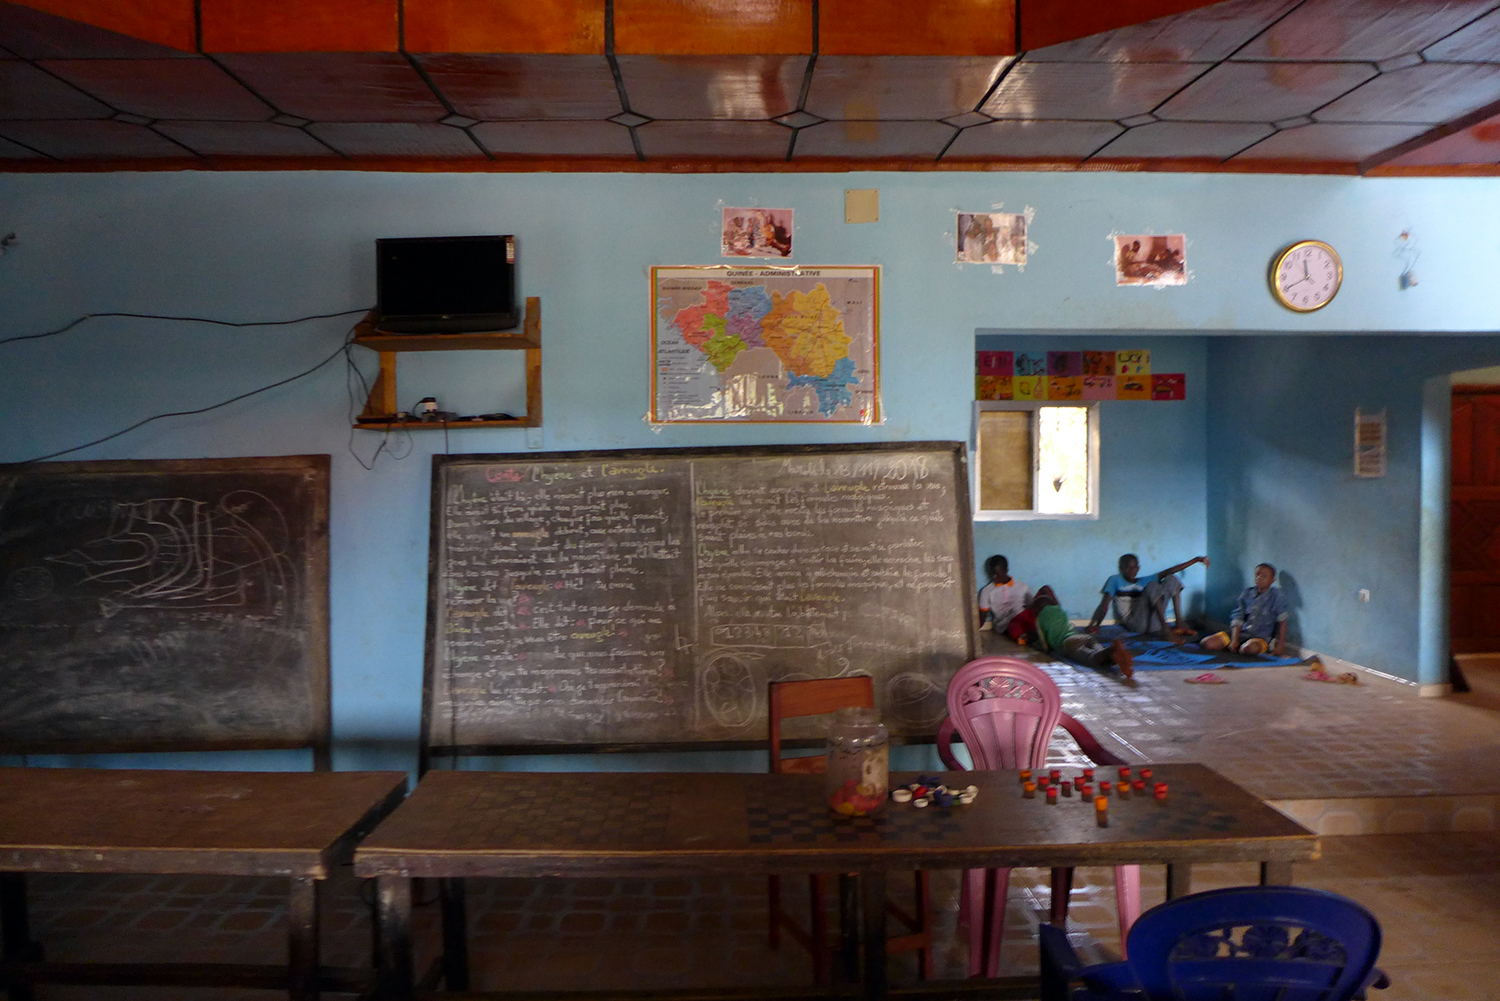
<point>1246,943</point>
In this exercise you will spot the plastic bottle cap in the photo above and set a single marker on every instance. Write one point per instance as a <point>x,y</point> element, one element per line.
<point>1101,803</point>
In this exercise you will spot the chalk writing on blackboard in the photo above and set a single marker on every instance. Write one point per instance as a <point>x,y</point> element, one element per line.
<point>649,598</point>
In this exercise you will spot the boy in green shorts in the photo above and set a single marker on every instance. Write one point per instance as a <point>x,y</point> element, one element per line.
<point>1052,631</point>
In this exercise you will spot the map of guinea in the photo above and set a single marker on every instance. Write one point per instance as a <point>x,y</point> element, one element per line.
<point>804,329</point>
<point>764,345</point>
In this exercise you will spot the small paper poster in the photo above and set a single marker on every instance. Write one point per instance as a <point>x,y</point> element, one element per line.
<point>993,387</point>
<point>1132,363</point>
<point>994,362</point>
<point>1098,363</point>
<point>1031,363</point>
<point>1064,387</point>
<point>991,238</point>
<point>1151,260</point>
<point>1065,363</point>
<point>1133,387</point>
<point>1030,387</point>
<point>755,232</point>
<point>1169,386</point>
<point>1099,387</point>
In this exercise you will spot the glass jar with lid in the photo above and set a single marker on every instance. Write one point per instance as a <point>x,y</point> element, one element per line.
<point>859,756</point>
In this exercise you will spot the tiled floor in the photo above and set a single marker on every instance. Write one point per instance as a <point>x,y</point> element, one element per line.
<point>1436,892</point>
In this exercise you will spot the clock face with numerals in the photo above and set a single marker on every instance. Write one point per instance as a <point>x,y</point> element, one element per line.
<point>1306,276</point>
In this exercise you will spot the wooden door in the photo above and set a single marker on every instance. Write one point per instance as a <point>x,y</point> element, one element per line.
<point>1474,521</point>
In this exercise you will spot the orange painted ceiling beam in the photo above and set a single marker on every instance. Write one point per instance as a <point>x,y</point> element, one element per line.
<point>655,27</point>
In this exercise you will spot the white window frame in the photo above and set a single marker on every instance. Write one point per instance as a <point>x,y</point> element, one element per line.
<point>980,514</point>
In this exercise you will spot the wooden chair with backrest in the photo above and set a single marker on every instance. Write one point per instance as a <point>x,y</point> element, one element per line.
<point>818,697</point>
<point>1006,710</point>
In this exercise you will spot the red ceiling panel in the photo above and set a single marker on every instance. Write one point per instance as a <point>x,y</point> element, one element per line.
<point>1207,34</point>
<point>865,88</point>
<point>555,139</point>
<point>243,139</point>
<point>404,139</point>
<point>300,25</point>
<point>919,140</point>
<point>1047,22</point>
<point>92,140</point>
<point>31,34</point>
<point>699,87</point>
<point>1185,140</point>
<point>1264,92</point>
<point>556,27</point>
<point>1362,29</point>
<point>1479,143</point>
<point>927,28</point>
<point>713,27</point>
<point>339,86</point>
<point>1330,142</point>
<point>1032,140</point>
<point>722,140</point>
<point>1430,93</point>
<point>163,88</point>
<point>169,23</point>
<point>27,92</point>
<point>1477,43</point>
<point>1087,90</point>
<point>499,87</point>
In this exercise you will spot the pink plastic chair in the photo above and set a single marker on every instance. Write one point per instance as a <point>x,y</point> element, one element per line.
<point>1005,710</point>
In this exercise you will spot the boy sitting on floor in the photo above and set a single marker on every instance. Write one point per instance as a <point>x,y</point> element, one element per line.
<point>1260,613</point>
<point>1141,603</point>
<point>1003,596</point>
<point>1045,624</point>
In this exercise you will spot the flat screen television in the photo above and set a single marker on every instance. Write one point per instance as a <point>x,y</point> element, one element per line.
<point>445,284</point>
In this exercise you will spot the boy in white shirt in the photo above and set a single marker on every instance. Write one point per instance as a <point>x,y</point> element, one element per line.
<point>1003,596</point>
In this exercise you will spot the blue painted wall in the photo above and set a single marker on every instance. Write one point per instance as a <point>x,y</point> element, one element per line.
<point>247,246</point>
<point>1153,494</point>
<point>1282,487</point>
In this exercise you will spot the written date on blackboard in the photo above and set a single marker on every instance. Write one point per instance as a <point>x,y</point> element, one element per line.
<point>600,600</point>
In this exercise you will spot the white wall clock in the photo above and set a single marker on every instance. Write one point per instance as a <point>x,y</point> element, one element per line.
<point>1306,275</point>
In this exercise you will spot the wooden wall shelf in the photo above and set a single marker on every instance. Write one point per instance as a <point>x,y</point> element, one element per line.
<point>381,409</point>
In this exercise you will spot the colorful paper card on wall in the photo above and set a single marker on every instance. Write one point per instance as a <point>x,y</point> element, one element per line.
<point>1031,363</point>
<point>1169,386</point>
<point>1099,387</point>
<point>1098,363</point>
<point>1065,363</point>
<point>994,363</point>
<point>1030,387</point>
<point>1132,363</point>
<point>1133,387</point>
<point>992,387</point>
<point>1064,387</point>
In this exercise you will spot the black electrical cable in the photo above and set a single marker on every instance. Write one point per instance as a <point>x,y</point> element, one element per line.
<point>348,340</point>
<point>181,319</point>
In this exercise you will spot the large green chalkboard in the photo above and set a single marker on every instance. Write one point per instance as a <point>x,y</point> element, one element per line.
<point>645,598</point>
<point>164,604</point>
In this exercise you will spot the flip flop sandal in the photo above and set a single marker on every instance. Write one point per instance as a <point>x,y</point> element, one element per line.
<point>1207,679</point>
<point>1318,674</point>
<point>1347,678</point>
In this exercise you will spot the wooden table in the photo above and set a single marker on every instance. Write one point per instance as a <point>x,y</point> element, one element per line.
<point>529,824</point>
<point>293,824</point>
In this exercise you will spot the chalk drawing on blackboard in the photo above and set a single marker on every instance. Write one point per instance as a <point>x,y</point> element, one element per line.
<point>916,700</point>
<point>175,552</point>
<point>730,684</point>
